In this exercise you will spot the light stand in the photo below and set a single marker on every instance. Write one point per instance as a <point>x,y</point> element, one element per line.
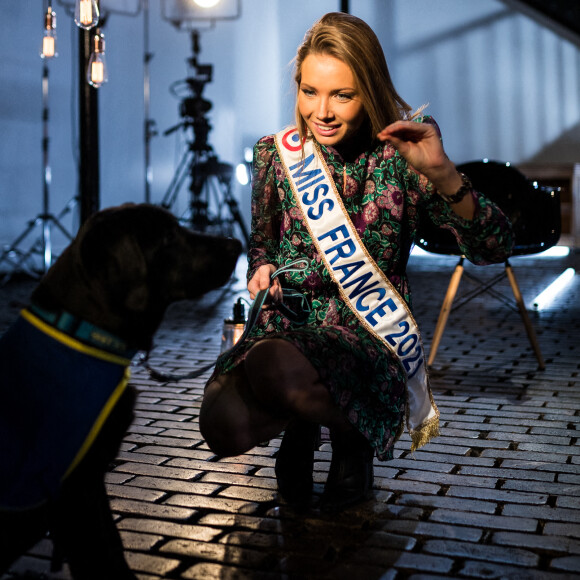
<point>88,15</point>
<point>149,128</point>
<point>18,259</point>
<point>46,217</point>
<point>210,179</point>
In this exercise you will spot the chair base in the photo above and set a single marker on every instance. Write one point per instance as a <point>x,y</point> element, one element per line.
<point>447,307</point>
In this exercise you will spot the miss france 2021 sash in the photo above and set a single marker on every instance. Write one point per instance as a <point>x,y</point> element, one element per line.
<point>362,285</point>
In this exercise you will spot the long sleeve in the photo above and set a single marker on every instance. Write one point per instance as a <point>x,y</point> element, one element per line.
<point>485,239</point>
<point>264,243</point>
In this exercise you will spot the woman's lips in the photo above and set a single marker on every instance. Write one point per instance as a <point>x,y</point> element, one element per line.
<point>326,130</point>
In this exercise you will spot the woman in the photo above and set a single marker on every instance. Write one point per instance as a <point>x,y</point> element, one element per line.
<point>353,141</point>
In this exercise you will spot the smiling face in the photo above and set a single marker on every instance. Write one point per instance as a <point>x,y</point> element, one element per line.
<point>328,99</point>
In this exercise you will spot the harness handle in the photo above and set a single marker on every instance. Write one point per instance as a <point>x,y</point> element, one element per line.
<point>255,309</point>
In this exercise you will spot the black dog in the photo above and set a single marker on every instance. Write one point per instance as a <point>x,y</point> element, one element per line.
<point>64,401</point>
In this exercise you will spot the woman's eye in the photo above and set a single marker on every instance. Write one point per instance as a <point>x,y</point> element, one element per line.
<point>308,92</point>
<point>343,97</point>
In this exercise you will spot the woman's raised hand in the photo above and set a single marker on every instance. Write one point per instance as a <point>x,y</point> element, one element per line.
<point>420,145</point>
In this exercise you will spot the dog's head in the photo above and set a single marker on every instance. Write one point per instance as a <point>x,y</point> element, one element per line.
<point>144,254</point>
<point>130,262</point>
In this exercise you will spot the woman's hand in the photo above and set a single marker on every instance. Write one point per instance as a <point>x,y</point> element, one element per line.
<point>420,145</point>
<point>262,280</point>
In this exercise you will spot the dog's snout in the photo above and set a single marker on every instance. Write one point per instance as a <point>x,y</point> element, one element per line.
<point>231,250</point>
<point>234,246</point>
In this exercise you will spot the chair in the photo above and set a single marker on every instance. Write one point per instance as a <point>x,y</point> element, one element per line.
<point>535,216</point>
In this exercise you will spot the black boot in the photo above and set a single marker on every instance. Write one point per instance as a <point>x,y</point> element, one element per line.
<point>350,478</point>
<point>295,462</point>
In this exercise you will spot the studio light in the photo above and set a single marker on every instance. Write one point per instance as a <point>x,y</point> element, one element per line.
<point>196,14</point>
<point>206,3</point>
<point>546,297</point>
<point>86,14</point>
<point>244,169</point>
<point>97,73</point>
<point>212,206</point>
<point>242,174</point>
<point>553,252</point>
<point>49,37</point>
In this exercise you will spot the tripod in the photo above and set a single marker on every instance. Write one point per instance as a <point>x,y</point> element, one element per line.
<point>21,260</point>
<point>212,206</point>
<point>210,181</point>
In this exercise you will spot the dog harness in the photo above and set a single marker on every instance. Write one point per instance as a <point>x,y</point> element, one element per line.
<point>56,393</point>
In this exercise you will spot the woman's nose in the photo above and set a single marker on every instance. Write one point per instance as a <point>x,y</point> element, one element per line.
<point>323,109</point>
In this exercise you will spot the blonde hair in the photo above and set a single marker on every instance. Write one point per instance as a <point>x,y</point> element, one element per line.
<point>352,41</point>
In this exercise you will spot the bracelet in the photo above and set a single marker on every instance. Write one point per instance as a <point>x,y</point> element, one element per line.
<point>465,188</point>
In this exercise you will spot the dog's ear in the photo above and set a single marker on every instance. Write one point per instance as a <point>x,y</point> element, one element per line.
<point>113,257</point>
<point>131,269</point>
<point>137,298</point>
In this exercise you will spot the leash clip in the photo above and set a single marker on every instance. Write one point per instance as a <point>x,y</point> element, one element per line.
<point>296,317</point>
<point>291,267</point>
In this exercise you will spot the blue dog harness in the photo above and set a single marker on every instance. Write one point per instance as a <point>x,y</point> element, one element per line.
<point>56,392</point>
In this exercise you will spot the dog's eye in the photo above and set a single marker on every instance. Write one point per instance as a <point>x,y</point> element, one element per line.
<point>169,238</point>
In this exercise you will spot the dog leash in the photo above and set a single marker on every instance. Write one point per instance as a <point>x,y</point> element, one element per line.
<point>255,309</point>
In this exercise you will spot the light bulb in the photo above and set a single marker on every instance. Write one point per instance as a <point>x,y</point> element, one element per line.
<point>97,73</point>
<point>48,49</point>
<point>86,14</point>
<point>242,174</point>
<point>206,3</point>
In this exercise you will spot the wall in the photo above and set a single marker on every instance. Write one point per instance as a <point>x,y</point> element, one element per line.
<point>499,85</point>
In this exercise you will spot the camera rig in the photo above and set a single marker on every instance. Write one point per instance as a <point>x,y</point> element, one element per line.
<point>209,179</point>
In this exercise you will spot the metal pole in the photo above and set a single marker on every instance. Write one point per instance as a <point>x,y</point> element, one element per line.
<point>344,7</point>
<point>149,124</point>
<point>88,133</point>
<point>46,242</point>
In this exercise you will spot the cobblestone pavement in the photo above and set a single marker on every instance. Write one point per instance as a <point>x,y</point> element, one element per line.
<point>497,495</point>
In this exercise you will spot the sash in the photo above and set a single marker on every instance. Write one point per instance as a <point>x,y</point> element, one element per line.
<point>362,285</point>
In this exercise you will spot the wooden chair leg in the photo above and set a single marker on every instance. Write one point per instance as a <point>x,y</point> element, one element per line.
<point>445,310</point>
<point>525,317</point>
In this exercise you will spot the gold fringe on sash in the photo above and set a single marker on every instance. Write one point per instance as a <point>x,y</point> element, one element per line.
<point>424,434</point>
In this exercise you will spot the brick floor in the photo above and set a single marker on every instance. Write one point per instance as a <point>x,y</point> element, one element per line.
<point>497,495</point>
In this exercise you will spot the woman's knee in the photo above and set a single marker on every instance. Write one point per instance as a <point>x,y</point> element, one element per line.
<point>221,419</point>
<point>264,359</point>
<point>266,371</point>
<point>279,374</point>
<point>226,443</point>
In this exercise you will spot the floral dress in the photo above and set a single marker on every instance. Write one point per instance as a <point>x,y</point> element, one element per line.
<point>382,195</point>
